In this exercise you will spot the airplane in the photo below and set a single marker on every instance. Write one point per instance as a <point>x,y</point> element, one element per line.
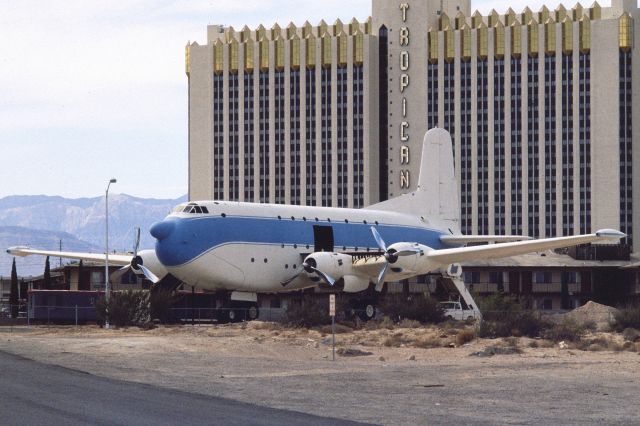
<point>240,249</point>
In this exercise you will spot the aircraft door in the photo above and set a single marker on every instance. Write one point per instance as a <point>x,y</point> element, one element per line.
<point>322,238</point>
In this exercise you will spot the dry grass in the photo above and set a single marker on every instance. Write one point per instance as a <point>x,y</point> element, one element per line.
<point>428,342</point>
<point>465,336</point>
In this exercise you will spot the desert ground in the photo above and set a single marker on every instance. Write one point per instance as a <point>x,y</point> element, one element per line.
<point>383,375</point>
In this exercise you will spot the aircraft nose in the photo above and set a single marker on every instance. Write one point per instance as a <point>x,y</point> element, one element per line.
<point>161,230</point>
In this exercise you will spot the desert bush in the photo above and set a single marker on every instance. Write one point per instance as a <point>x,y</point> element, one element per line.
<point>395,340</point>
<point>534,344</point>
<point>408,323</point>
<point>385,323</point>
<point>568,330</point>
<point>428,342</point>
<point>124,308</point>
<point>628,317</point>
<point>161,303</point>
<point>340,329</point>
<point>631,334</point>
<point>465,336</point>
<point>503,316</point>
<point>418,307</point>
<point>310,311</point>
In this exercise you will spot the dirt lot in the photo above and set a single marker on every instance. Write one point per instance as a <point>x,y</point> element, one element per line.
<point>405,383</point>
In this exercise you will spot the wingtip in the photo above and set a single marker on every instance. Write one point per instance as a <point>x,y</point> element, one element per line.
<point>610,234</point>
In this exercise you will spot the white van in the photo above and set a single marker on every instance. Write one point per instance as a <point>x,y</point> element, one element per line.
<point>453,310</point>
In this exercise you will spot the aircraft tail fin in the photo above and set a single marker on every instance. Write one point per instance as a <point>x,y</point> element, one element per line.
<point>437,193</point>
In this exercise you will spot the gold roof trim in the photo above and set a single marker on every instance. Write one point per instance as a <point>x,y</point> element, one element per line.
<point>516,39</point>
<point>294,52</point>
<point>532,38</point>
<point>482,41</point>
<point>577,11</point>
<point>476,19</point>
<point>567,35</point>
<point>449,47</point>
<point>218,58</point>
<point>498,40</point>
<point>585,34</point>
<point>460,20</point>
<point>433,45</point>
<point>444,21</point>
<point>595,12</point>
<point>233,55</point>
<point>550,37</point>
<point>187,59</point>
<point>625,33</point>
<point>310,46</point>
<point>465,43</point>
<point>561,13</point>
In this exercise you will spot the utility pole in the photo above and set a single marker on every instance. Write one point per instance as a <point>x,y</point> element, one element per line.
<point>60,259</point>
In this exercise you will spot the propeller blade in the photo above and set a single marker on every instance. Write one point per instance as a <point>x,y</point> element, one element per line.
<point>381,275</point>
<point>379,239</point>
<point>287,282</point>
<point>326,278</point>
<point>116,275</point>
<point>137,245</point>
<point>150,275</point>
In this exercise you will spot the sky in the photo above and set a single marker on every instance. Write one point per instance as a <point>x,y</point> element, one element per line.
<point>95,89</point>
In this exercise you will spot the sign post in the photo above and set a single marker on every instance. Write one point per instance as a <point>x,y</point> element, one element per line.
<point>332,312</point>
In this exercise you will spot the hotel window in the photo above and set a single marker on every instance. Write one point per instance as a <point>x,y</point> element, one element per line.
<point>465,147</point>
<point>218,137</point>
<point>626,145</point>
<point>358,136</point>
<point>516,146</point>
<point>294,117</point>
<point>310,136</point>
<point>550,145</point>
<point>248,135</point>
<point>567,145</point>
<point>264,136</point>
<point>533,151</point>
<point>326,135</point>
<point>234,149</point>
<point>499,162</point>
<point>483,146</point>
<point>280,137</point>
<point>584,106</point>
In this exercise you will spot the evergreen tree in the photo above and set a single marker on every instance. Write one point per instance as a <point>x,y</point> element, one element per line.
<point>47,275</point>
<point>13,295</point>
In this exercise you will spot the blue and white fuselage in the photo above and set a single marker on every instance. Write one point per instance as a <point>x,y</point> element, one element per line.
<point>254,247</point>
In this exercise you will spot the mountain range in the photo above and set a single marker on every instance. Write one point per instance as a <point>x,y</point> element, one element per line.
<point>46,222</point>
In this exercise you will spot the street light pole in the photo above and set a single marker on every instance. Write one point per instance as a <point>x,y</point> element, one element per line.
<point>106,246</point>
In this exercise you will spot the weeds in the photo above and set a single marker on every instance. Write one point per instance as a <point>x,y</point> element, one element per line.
<point>417,307</point>
<point>628,317</point>
<point>465,336</point>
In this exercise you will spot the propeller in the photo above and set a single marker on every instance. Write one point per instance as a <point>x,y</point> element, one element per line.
<point>310,266</point>
<point>390,255</point>
<point>136,264</point>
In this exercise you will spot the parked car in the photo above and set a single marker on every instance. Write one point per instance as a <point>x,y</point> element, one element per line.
<point>454,310</point>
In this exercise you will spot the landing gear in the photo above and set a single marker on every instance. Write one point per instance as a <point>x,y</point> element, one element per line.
<point>233,311</point>
<point>365,309</point>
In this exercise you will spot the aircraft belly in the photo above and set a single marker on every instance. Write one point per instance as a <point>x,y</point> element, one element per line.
<point>243,267</point>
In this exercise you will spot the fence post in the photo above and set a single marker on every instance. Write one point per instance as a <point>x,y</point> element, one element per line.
<point>76,315</point>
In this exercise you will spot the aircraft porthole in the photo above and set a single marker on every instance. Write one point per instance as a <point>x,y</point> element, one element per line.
<point>265,260</point>
<point>364,221</point>
<point>286,266</point>
<point>344,247</point>
<point>295,246</point>
<point>376,222</point>
<point>304,218</point>
<point>252,260</point>
<point>223,215</point>
<point>328,219</point>
<point>316,219</point>
<point>294,266</point>
<point>346,221</point>
<point>279,217</point>
<point>307,246</point>
<point>293,218</point>
<point>282,245</point>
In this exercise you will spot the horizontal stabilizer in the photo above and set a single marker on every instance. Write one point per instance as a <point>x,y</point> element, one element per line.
<point>473,239</point>
<point>114,259</point>
<point>462,254</point>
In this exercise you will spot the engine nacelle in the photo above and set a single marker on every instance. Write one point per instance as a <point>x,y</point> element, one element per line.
<point>411,264</point>
<point>335,265</point>
<point>148,259</point>
<point>355,283</point>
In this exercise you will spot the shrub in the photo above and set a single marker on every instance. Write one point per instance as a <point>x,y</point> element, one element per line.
<point>631,334</point>
<point>628,317</point>
<point>161,306</point>
<point>395,340</point>
<point>125,308</point>
<point>566,330</point>
<point>428,343</point>
<point>465,336</point>
<point>310,311</point>
<point>503,316</point>
<point>418,307</point>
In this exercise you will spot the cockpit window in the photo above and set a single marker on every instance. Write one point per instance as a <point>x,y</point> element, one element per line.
<point>193,208</point>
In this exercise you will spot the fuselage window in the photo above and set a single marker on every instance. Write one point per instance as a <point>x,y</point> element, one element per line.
<point>346,221</point>
<point>376,222</point>
<point>205,210</point>
<point>364,221</point>
<point>328,219</point>
<point>197,209</point>
<point>316,219</point>
<point>293,218</point>
<point>223,215</point>
<point>279,217</point>
<point>304,218</point>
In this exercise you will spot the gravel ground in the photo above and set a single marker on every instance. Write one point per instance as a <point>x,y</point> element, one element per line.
<point>405,385</point>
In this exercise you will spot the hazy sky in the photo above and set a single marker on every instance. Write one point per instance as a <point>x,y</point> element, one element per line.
<point>95,89</point>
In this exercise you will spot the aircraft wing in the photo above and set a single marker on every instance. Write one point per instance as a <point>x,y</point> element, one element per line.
<point>466,239</point>
<point>114,259</point>
<point>462,254</point>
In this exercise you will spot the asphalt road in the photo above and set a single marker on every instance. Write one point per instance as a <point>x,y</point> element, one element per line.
<point>37,394</point>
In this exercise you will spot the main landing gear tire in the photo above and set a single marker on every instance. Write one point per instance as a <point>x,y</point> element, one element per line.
<point>366,312</point>
<point>238,312</point>
<point>252,312</point>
